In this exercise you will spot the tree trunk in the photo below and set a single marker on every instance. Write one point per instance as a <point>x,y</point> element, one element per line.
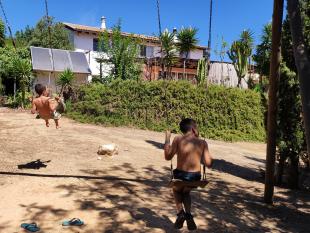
<point>293,172</point>
<point>100,67</point>
<point>280,169</point>
<point>184,66</point>
<point>14,90</point>
<point>272,106</point>
<point>302,61</point>
<point>23,96</point>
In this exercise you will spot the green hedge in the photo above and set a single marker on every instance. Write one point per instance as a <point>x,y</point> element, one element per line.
<point>229,114</point>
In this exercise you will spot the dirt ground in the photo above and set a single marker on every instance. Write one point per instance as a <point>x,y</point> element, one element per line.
<point>128,192</point>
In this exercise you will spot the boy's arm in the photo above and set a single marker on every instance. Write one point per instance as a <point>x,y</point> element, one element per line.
<point>170,150</point>
<point>52,105</point>
<point>206,157</point>
<point>33,108</point>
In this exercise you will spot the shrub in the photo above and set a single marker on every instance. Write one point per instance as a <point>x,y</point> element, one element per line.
<point>19,100</point>
<point>222,113</point>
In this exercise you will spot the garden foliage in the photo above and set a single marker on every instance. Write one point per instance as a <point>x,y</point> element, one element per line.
<point>230,114</point>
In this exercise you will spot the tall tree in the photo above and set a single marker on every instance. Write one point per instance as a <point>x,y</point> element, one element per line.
<point>57,38</point>
<point>120,53</point>
<point>263,51</point>
<point>272,105</point>
<point>302,61</point>
<point>187,41</point>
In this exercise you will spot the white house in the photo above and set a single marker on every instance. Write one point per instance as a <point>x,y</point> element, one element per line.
<point>85,39</point>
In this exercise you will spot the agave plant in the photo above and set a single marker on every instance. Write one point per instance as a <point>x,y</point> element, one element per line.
<point>65,80</point>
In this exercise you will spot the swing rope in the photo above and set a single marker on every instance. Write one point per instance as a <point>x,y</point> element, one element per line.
<point>7,24</point>
<point>49,41</point>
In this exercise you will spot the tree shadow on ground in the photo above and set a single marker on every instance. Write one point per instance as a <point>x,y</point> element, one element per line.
<point>158,145</point>
<point>136,201</point>
<point>246,173</point>
<point>263,161</point>
<point>37,164</point>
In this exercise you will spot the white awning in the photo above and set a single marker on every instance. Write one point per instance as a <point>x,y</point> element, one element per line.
<point>57,60</point>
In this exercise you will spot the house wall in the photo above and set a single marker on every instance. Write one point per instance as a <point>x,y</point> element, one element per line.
<point>49,79</point>
<point>224,74</point>
<point>196,54</point>
<point>83,41</point>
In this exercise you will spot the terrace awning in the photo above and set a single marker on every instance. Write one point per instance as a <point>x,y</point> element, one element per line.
<point>57,60</point>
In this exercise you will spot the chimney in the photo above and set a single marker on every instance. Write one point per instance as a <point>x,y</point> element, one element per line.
<point>175,32</point>
<point>103,23</point>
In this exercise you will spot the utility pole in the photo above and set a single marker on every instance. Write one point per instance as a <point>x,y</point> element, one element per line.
<point>275,61</point>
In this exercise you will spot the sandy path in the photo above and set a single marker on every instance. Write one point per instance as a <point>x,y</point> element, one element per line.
<point>128,193</point>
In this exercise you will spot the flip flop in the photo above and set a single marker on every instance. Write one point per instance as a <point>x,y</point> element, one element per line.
<point>32,227</point>
<point>73,222</point>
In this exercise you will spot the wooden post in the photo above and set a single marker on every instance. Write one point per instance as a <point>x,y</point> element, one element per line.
<point>272,98</point>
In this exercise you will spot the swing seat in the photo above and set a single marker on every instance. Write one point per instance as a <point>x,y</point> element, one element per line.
<point>181,183</point>
<point>61,107</point>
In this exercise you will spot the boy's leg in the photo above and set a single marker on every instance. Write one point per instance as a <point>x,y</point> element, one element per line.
<point>47,123</point>
<point>56,123</point>
<point>187,201</point>
<point>178,197</point>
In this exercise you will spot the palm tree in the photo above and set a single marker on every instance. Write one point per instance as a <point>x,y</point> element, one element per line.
<point>23,74</point>
<point>168,50</point>
<point>65,80</point>
<point>187,41</point>
<point>302,61</point>
<point>275,61</point>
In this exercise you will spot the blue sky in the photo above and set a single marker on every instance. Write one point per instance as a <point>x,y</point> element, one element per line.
<point>230,17</point>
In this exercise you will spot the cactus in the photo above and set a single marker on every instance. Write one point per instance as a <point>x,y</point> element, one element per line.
<point>201,71</point>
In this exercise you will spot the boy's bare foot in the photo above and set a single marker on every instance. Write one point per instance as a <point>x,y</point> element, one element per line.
<point>47,124</point>
<point>180,220</point>
<point>57,127</point>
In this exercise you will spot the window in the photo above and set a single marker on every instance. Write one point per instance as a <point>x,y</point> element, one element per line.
<point>149,51</point>
<point>142,51</point>
<point>95,44</point>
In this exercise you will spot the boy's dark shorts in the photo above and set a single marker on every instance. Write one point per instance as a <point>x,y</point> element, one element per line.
<point>186,176</point>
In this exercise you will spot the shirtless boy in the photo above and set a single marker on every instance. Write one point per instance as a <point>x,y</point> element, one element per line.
<point>191,151</point>
<point>45,106</point>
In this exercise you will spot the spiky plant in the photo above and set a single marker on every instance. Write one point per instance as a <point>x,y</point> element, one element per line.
<point>202,71</point>
<point>65,80</point>
<point>23,74</point>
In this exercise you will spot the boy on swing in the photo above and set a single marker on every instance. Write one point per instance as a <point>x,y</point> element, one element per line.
<point>191,151</point>
<point>46,106</point>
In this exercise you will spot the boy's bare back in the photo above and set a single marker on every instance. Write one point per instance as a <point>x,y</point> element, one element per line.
<point>44,106</point>
<point>191,152</point>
